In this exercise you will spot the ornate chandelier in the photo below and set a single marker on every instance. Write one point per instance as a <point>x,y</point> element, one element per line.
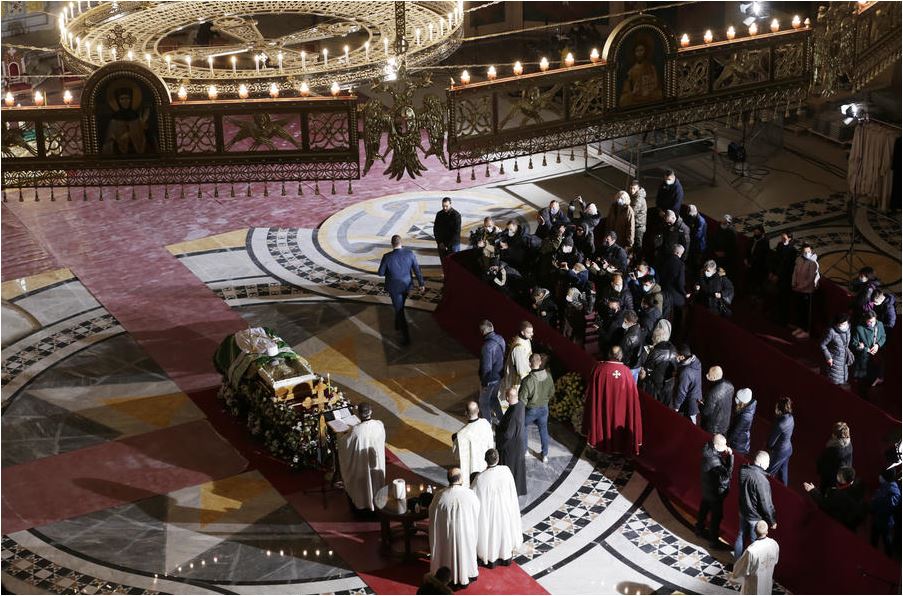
<point>326,43</point>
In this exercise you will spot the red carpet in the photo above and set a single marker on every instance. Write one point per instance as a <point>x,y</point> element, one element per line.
<point>405,579</point>
<point>72,484</point>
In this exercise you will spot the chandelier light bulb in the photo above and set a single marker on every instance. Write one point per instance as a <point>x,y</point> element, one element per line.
<point>465,77</point>
<point>796,23</point>
<point>212,92</point>
<point>491,74</point>
<point>67,97</point>
<point>594,56</point>
<point>304,89</point>
<point>775,26</point>
<point>334,89</point>
<point>9,100</point>
<point>130,55</point>
<point>708,36</point>
<point>731,32</point>
<point>544,64</point>
<point>518,69</point>
<point>569,60</point>
<point>274,90</point>
<point>147,58</point>
<point>684,41</point>
<point>753,29</point>
<point>38,98</point>
<point>807,23</point>
<point>243,91</point>
<point>182,93</point>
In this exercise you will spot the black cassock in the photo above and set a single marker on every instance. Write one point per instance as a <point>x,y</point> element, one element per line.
<point>511,441</point>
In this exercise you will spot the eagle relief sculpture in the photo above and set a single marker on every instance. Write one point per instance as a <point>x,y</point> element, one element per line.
<point>403,123</point>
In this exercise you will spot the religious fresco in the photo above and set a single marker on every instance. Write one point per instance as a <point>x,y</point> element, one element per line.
<point>126,118</point>
<point>641,69</point>
<point>741,68</point>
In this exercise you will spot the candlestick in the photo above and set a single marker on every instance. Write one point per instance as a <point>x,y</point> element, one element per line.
<point>451,22</point>
<point>279,61</point>
<point>303,60</point>
<point>130,55</point>
<point>386,46</point>
<point>233,60</point>
<point>325,56</point>
<point>188,62</point>
<point>168,60</point>
<point>210,64</point>
<point>182,93</point>
<point>147,58</point>
<point>518,69</point>
<point>753,29</point>
<point>417,36</point>
<point>465,77</point>
<point>685,41</point>
<point>430,27</point>
<point>807,22</point>
<point>346,54</point>
<point>67,97</point>
<point>594,56</point>
<point>569,60</point>
<point>707,38</point>
<point>113,53</point>
<point>38,98</point>
<point>9,99</point>
<point>796,23</point>
<point>544,64</point>
<point>367,50</point>
<point>731,32</point>
<point>491,74</point>
<point>257,63</point>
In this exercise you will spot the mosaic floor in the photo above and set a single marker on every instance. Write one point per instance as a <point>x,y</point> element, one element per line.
<point>123,475</point>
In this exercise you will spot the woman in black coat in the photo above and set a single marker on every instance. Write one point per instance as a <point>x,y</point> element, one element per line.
<point>838,453</point>
<point>741,423</point>
<point>779,447</point>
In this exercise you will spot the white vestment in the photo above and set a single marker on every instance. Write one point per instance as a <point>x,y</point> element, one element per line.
<point>500,531</point>
<point>472,443</point>
<point>362,461</point>
<point>454,514</point>
<point>755,567</point>
<point>517,365</point>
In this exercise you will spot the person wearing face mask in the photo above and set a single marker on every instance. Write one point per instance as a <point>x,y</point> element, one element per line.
<point>697,224</point>
<point>574,327</point>
<point>868,338</point>
<point>584,241</point>
<point>552,242</point>
<point>615,290</point>
<point>544,307</point>
<point>566,257</point>
<point>582,213</point>
<point>756,261</point>
<point>578,277</point>
<point>724,244</point>
<point>621,219</point>
<point>649,287</point>
<point>611,327</point>
<point>658,364</point>
<point>836,351</point>
<point>805,282</point>
<point>632,343</point>
<point>614,258</point>
<point>884,305</point>
<point>485,235</point>
<point>688,386</point>
<point>649,314</point>
<point>675,233</point>
<point>549,218</point>
<point>782,270</point>
<point>638,203</point>
<point>512,247</point>
<point>715,290</point>
<point>670,195</point>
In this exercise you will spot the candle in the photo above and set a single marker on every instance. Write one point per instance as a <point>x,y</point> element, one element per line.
<point>430,27</point>
<point>544,64</point>
<point>38,98</point>
<point>328,379</point>
<point>417,36</point>
<point>594,56</point>
<point>168,60</point>
<point>334,89</point>
<point>147,58</point>
<point>775,26</point>
<point>346,54</point>
<point>796,21</point>
<point>182,93</point>
<point>569,60</point>
<point>78,44</point>
<point>274,90</point>
<point>441,26</point>
<point>71,39</point>
<point>708,36</point>
<point>731,32</point>
<point>233,60</point>
<point>279,57</point>
<point>325,56</point>
<point>100,52</point>
<point>257,63</point>
<point>386,46</point>
<point>684,41</point>
<point>67,97</point>
<point>518,69</point>
<point>243,91</point>
<point>113,52</point>
<point>451,22</point>
<point>305,89</point>
<point>9,99</point>
<point>130,55</point>
<point>87,49</point>
<point>210,64</point>
<point>807,22</point>
<point>212,92</point>
<point>367,50</point>
<point>491,74</point>
<point>465,77</point>
<point>188,62</point>
<point>303,60</point>
<point>753,29</point>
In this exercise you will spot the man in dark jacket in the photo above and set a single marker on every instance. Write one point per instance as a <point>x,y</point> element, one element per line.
<point>511,440</point>
<point>536,390</point>
<point>670,194</point>
<point>612,254</point>
<point>632,342</point>
<point>492,368</point>
<point>697,224</point>
<point>717,467</point>
<point>784,261</point>
<point>738,437</point>
<point>757,257</point>
<point>675,232</point>
<point>688,387</point>
<point>755,501</point>
<point>716,407</point>
<point>649,314</point>
<point>883,304</point>
<point>396,266</point>
<point>447,229</point>
<point>672,279</point>
<point>844,502</point>
<point>551,217</point>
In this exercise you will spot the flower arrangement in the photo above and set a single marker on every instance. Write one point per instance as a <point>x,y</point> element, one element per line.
<point>567,403</point>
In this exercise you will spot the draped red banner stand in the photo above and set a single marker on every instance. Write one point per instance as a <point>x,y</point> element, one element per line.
<point>818,554</point>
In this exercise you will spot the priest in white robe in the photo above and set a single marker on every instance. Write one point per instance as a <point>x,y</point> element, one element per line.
<point>499,534</point>
<point>454,516</point>
<point>362,458</point>
<point>472,442</point>
<point>755,567</point>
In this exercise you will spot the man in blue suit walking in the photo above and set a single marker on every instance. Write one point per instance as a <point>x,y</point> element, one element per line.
<point>396,267</point>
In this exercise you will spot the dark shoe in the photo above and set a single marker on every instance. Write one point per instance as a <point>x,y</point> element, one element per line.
<point>506,562</point>
<point>490,565</point>
<point>701,532</point>
<point>718,545</point>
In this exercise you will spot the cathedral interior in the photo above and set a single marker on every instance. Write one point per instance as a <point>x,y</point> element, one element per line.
<point>180,175</point>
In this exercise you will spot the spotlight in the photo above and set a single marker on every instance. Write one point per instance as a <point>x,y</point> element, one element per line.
<point>854,113</point>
